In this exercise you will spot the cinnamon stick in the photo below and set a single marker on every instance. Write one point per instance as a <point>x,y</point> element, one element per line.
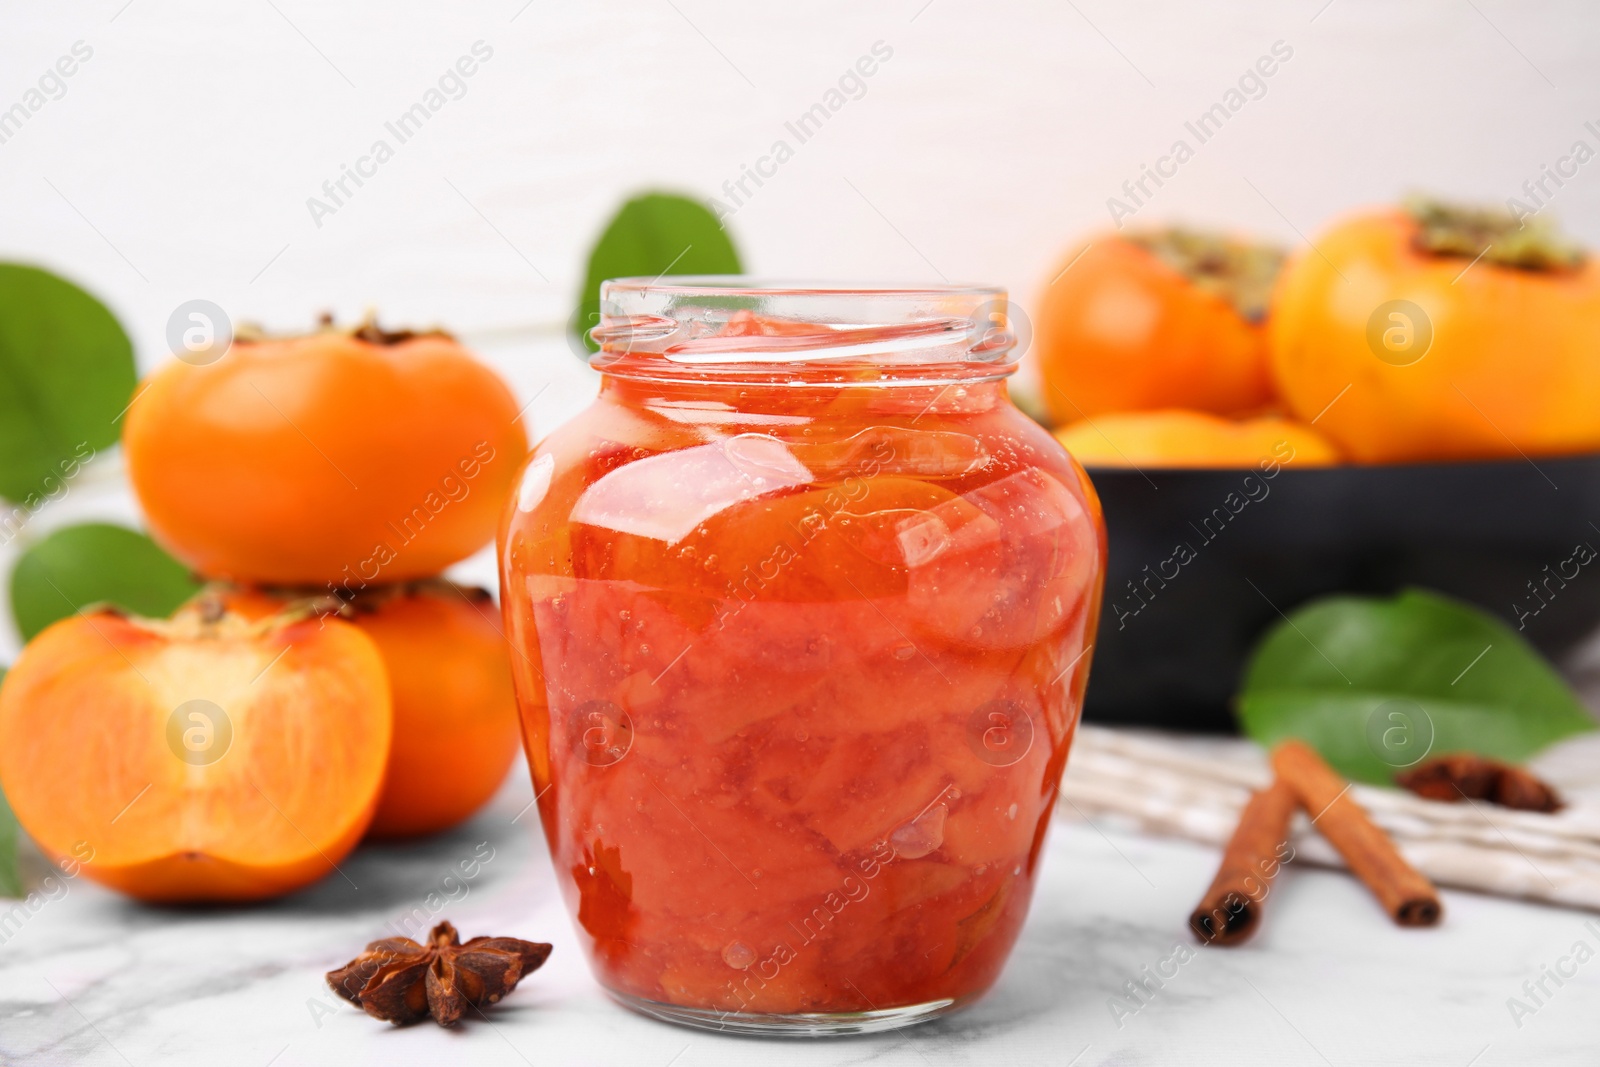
<point>1231,909</point>
<point>1405,894</point>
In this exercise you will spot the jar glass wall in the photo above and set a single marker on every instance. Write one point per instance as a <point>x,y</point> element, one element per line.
<point>801,611</point>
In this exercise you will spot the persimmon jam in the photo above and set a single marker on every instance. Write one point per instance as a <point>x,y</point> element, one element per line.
<point>800,634</point>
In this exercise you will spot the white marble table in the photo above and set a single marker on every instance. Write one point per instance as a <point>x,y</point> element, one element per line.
<point>95,979</point>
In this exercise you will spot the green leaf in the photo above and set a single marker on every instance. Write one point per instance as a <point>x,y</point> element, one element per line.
<point>652,235</point>
<point>1375,684</point>
<point>10,877</point>
<point>96,562</point>
<point>10,880</point>
<point>66,373</point>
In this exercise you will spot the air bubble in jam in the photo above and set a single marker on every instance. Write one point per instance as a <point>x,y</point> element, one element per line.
<point>920,836</point>
<point>922,538</point>
<point>738,955</point>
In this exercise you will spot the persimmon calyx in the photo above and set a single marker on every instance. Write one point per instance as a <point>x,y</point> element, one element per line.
<point>206,615</point>
<point>1240,272</point>
<point>372,598</point>
<point>1531,244</point>
<point>296,603</point>
<point>367,330</point>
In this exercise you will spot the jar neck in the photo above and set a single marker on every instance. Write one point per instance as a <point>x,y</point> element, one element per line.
<point>728,332</point>
<point>821,371</point>
<point>809,399</point>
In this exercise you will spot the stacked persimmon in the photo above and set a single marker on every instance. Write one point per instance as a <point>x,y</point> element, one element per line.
<point>1420,333</point>
<point>327,685</point>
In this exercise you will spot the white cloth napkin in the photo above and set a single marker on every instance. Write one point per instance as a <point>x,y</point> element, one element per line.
<point>1195,787</point>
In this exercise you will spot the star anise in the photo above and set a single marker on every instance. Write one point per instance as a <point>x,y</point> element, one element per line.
<point>400,981</point>
<point>1461,775</point>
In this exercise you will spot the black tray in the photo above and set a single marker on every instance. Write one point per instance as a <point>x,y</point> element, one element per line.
<point>1483,532</point>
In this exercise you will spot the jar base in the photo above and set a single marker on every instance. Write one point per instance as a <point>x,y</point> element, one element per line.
<point>798,1024</point>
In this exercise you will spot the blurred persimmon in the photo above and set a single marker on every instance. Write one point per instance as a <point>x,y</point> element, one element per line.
<point>455,716</point>
<point>347,457</point>
<point>1167,319</point>
<point>1193,439</point>
<point>1434,332</point>
<point>206,757</point>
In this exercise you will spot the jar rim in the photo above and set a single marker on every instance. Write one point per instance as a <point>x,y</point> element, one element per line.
<point>753,285</point>
<point>745,328</point>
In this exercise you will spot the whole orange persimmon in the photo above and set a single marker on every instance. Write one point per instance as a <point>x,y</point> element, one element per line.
<point>339,457</point>
<point>455,715</point>
<point>1193,439</point>
<point>1167,319</point>
<point>1432,333</point>
<point>203,758</point>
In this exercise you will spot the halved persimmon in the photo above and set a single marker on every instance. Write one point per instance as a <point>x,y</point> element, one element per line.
<point>455,715</point>
<point>338,457</point>
<point>202,758</point>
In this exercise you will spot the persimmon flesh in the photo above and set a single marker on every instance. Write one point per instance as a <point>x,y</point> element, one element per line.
<point>197,759</point>
<point>455,715</point>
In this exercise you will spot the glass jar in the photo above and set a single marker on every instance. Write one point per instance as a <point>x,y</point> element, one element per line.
<point>801,611</point>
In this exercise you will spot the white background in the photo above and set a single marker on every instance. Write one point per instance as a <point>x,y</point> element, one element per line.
<point>179,161</point>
